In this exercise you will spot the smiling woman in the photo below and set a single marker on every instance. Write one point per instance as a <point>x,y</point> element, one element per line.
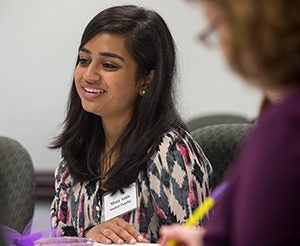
<point>106,58</point>
<point>123,136</point>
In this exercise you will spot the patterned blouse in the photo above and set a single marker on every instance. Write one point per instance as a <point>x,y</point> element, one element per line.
<point>175,183</point>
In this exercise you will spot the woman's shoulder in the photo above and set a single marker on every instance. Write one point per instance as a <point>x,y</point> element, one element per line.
<point>279,123</point>
<point>62,174</point>
<point>179,139</point>
<point>178,148</point>
<point>286,112</point>
<point>61,166</point>
<point>175,135</point>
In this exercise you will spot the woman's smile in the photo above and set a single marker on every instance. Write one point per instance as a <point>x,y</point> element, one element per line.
<point>91,93</point>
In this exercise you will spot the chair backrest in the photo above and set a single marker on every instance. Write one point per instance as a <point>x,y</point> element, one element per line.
<point>214,119</point>
<point>2,204</point>
<point>18,184</point>
<point>220,144</point>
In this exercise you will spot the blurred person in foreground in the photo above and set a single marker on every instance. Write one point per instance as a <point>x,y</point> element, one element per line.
<point>261,42</point>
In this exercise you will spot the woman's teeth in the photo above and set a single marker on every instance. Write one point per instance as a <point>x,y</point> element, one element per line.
<point>95,91</point>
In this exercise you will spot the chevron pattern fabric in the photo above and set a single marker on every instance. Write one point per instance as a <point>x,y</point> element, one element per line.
<point>173,185</point>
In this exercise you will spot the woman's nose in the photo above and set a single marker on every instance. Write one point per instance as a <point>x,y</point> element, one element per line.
<point>91,74</point>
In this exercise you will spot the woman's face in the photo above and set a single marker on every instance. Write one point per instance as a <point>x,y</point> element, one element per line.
<point>216,19</point>
<point>105,77</point>
<point>216,25</point>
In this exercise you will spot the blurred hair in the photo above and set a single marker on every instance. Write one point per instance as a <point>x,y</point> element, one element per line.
<point>267,31</point>
<point>151,45</point>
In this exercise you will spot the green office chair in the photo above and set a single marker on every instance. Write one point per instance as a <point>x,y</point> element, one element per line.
<point>220,144</point>
<point>17,182</point>
<point>215,119</point>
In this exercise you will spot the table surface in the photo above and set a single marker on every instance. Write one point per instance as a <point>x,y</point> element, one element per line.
<point>137,244</point>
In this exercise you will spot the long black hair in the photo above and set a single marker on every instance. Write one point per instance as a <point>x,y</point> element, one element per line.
<point>82,140</point>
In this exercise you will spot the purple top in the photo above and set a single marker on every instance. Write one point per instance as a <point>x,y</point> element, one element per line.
<point>261,205</point>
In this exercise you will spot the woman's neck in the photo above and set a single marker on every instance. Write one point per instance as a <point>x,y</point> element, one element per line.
<point>113,129</point>
<point>276,95</point>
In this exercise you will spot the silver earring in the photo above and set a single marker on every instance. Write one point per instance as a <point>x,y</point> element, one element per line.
<point>143,92</point>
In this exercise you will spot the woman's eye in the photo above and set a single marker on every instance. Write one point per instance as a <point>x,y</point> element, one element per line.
<point>109,66</point>
<point>83,61</point>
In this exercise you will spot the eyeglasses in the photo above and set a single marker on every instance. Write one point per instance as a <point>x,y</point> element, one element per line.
<point>209,37</point>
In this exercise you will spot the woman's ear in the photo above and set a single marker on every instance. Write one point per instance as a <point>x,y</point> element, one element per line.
<point>145,82</point>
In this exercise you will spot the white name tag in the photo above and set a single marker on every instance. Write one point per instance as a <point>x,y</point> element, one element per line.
<point>120,203</point>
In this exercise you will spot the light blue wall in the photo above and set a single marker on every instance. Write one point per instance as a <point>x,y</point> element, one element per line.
<point>38,44</point>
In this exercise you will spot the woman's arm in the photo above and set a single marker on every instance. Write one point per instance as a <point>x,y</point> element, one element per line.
<point>60,210</point>
<point>178,178</point>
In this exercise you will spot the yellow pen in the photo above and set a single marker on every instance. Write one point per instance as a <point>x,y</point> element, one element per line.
<point>203,209</point>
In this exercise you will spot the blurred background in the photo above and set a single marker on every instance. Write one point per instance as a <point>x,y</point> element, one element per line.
<point>39,41</point>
